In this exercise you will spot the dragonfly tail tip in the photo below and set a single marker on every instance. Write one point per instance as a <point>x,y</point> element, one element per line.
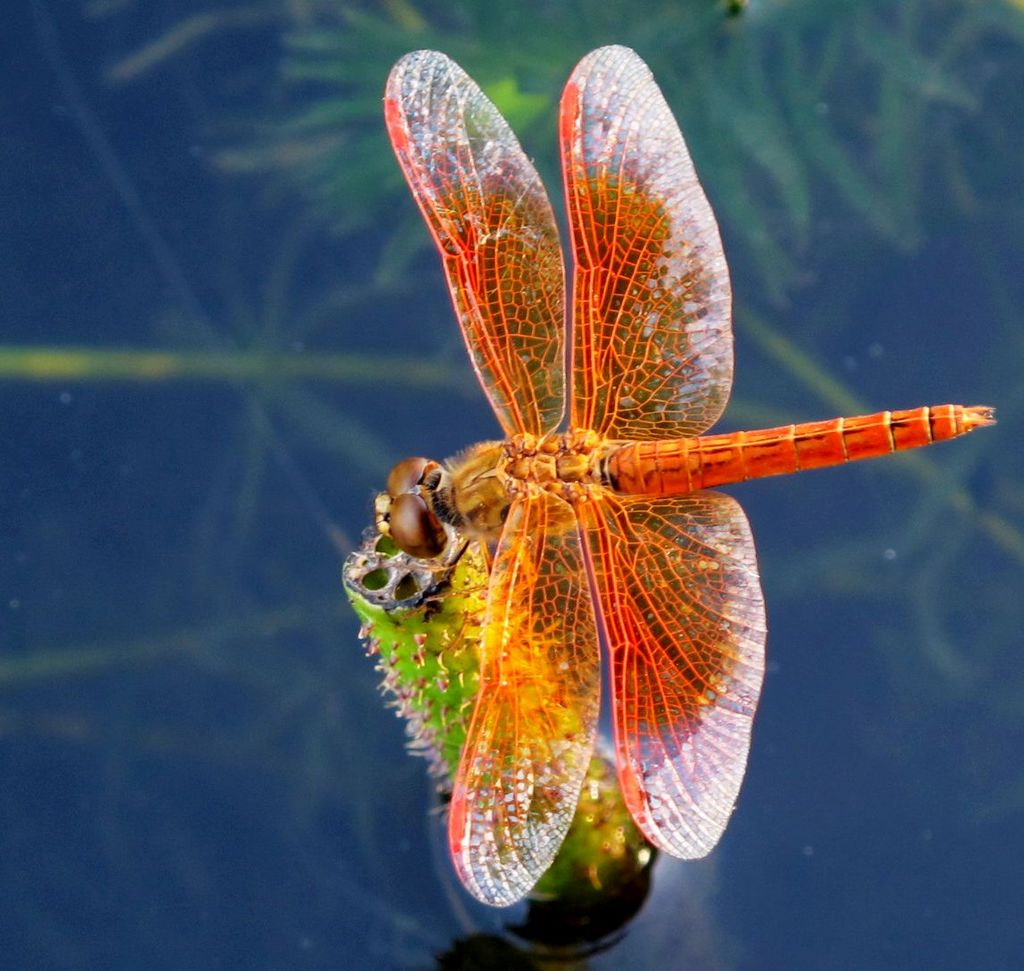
<point>977,416</point>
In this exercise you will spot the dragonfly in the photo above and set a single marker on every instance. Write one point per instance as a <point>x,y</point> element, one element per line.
<point>608,525</point>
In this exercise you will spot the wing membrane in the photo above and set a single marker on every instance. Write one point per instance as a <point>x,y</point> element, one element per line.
<point>652,339</point>
<point>681,603</point>
<point>532,732</point>
<point>492,221</point>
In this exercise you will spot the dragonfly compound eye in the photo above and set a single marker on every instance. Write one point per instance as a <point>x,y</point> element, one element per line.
<point>408,474</point>
<point>414,528</point>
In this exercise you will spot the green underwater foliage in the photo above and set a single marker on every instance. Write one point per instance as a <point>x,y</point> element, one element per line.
<point>783,107</point>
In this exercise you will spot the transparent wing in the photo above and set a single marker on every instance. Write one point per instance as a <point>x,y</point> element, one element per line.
<point>652,337</point>
<point>532,732</point>
<point>496,233</point>
<point>681,603</point>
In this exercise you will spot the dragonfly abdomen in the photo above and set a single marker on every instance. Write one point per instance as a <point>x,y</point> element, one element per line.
<point>682,465</point>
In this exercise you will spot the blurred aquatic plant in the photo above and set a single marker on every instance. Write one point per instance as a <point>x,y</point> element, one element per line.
<point>795,102</point>
<point>786,105</point>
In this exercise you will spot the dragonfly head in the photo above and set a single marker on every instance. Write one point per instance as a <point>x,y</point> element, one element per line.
<point>407,513</point>
<point>426,501</point>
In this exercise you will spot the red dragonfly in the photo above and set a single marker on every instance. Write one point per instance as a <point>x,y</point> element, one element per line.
<point>609,524</point>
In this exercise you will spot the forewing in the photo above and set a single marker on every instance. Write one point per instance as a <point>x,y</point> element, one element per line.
<point>682,609</point>
<point>652,336</point>
<point>532,731</point>
<point>492,221</point>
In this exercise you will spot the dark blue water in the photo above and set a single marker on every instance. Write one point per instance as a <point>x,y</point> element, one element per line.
<point>196,768</point>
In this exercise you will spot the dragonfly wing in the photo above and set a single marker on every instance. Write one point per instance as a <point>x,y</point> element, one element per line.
<point>652,336</point>
<point>493,224</point>
<point>533,727</point>
<point>682,608</point>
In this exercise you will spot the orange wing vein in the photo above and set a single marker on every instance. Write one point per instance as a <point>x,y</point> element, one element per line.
<point>681,603</point>
<point>533,727</point>
<point>493,224</point>
<point>652,340</point>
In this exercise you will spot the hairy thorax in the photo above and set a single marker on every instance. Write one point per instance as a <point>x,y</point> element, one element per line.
<point>482,481</point>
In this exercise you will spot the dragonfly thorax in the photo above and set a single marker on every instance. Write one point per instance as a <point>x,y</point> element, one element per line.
<point>476,492</point>
<point>485,479</point>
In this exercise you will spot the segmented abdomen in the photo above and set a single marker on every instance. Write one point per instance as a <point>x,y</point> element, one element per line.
<point>686,464</point>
